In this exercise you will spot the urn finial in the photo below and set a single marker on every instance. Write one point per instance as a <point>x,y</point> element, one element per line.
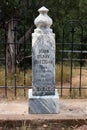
<point>43,21</point>
<point>43,10</point>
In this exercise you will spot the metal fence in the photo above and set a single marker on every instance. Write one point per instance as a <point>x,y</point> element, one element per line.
<point>15,60</point>
<point>73,60</point>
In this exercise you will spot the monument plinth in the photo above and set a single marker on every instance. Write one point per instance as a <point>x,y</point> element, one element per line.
<point>43,97</point>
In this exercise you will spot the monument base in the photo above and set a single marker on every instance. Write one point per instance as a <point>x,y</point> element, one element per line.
<point>43,104</point>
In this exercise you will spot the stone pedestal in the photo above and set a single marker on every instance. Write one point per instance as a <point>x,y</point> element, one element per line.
<point>43,104</point>
<point>43,97</point>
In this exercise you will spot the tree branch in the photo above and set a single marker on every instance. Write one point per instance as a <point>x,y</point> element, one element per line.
<point>26,36</point>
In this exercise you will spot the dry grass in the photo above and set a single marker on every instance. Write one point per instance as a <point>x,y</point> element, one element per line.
<point>66,81</point>
<point>66,73</point>
<point>10,78</point>
<point>75,87</point>
<point>11,91</point>
<point>75,75</point>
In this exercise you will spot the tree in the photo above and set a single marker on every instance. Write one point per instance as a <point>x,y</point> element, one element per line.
<point>26,11</point>
<point>17,9</point>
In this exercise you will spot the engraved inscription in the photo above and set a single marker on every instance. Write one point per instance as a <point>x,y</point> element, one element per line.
<point>43,70</point>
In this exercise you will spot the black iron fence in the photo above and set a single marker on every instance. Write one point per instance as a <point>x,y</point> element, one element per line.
<point>15,60</point>
<point>73,60</point>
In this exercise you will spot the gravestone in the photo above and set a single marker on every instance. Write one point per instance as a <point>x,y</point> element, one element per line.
<point>43,97</point>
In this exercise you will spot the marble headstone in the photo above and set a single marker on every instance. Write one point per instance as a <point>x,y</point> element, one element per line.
<point>43,98</point>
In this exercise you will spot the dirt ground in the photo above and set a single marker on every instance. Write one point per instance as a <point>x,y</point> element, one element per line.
<point>70,110</point>
<point>68,107</point>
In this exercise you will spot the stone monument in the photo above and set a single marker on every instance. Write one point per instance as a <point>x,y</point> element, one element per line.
<point>43,97</point>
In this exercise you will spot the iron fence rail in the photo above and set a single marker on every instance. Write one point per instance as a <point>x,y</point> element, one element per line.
<point>71,53</point>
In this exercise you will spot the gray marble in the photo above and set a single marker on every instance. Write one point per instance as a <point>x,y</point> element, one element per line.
<point>43,98</point>
<point>43,104</point>
<point>43,66</point>
<point>43,56</point>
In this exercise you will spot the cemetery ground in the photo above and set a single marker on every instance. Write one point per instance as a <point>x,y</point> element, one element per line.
<point>14,115</point>
<point>73,110</point>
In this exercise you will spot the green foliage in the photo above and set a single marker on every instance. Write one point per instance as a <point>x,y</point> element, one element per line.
<point>59,10</point>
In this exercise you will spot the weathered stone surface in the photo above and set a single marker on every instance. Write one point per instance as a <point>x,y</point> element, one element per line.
<point>43,98</point>
<point>43,65</point>
<point>43,56</point>
<point>43,104</point>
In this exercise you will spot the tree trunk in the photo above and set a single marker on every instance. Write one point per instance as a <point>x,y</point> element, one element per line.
<point>10,48</point>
